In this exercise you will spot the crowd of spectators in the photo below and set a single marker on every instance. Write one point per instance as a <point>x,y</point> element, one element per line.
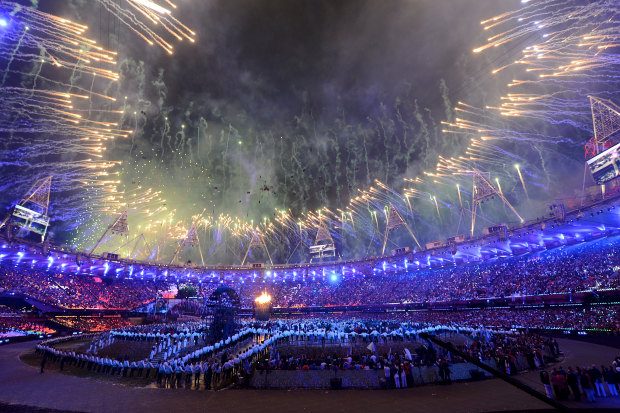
<point>76,291</point>
<point>8,311</point>
<point>18,326</point>
<point>569,269</point>
<point>92,324</point>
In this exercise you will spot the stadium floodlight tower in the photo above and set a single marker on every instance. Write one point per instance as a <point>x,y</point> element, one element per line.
<point>482,189</point>
<point>324,246</point>
<point>191,239</point>
<point>120,226</point>
<point>30,213</point>
<point>258,240</point>
<point>395,220</point>
<point>603,150</point>
<point>606,121</point>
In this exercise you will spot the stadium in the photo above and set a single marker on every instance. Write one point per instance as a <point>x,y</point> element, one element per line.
<point>276,206</point>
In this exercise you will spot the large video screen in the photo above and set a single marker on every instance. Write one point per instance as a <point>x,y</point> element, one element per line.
<point>606,165</point>
<point>31,220</point>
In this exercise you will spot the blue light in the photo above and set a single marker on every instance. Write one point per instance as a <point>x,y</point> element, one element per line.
<point>334,277</point>
<point>3,23</point>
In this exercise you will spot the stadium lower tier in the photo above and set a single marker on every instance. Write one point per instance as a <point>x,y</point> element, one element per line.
<point>580,318</point>
<point>589,266</point>
<point>16,326</point>
<point>602,318</point>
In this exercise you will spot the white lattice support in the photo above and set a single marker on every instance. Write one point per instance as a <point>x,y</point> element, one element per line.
<point>324,245</point>
<point>135,250</point>
<point>202,259</point>
<point>395,220</point>
<point>605,120</point>
<point>191,238</point>
<point>323,234</point>
<point>482,189</point>
<point>39,194</point>
<point>120,226</point>
<point>30,213</point>
<point>257,241</point>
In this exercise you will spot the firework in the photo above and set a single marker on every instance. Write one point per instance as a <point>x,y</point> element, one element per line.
<point>570,49</point>
<point>565,49</point>
<point>151,20</point>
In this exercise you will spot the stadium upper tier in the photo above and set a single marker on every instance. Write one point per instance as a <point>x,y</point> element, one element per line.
<point>559,227</point>
<point>579,253</point>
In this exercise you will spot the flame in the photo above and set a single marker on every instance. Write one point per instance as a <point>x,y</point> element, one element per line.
<point>264,298</point>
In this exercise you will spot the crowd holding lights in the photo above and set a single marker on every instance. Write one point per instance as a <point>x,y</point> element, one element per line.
<point>586,267</point>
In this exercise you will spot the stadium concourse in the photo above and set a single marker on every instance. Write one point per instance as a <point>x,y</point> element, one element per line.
<point>526,306</point>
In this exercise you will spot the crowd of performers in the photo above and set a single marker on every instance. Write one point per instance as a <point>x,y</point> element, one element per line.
<point>181,357</point>
<point>181,349</point>
<point>562,317</point>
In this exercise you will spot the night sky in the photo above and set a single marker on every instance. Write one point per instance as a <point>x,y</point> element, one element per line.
<point>324,96</point>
